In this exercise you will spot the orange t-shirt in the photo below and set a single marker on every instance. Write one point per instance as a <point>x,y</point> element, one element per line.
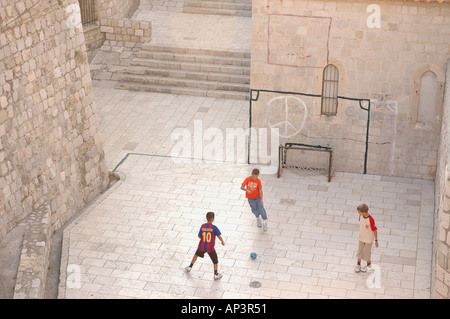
<point>253,186</point>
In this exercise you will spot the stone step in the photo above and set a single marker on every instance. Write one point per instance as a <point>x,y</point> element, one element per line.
<point>195,51</point>
<point>163,52</point>
<point>225,12</point>
<point>191,66</point>
<point>203,75</point>
<point>230,1</point>
<point>183,90</point>
<point>170,69</point>
<point>182,57</point>
<point>190,83</point>
<point>218,5</point>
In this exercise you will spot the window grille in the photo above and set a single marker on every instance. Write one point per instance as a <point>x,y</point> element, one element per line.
<point>87,11</point>
<point>330,90</point>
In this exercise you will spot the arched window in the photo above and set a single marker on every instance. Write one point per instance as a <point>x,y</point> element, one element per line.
<point>427,99</point>
<point>330,90</point>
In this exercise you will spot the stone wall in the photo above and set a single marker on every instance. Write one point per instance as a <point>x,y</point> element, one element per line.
<point>441,252</point>
<point>126,30</point>
<point>294,40</point>
<point>93,39</point>
<point>115,8</point>
<point>51,151</point>
<point>106,9</point>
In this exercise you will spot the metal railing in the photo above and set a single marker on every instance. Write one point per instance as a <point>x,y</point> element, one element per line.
<point>87,10</point>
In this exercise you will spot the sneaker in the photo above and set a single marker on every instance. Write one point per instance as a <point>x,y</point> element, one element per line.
<point>364,269</point>
<point>218,276</point>
<point>188,268</point>
<point>265,226</point>
<point>357,268</point>
<point>259,222</point>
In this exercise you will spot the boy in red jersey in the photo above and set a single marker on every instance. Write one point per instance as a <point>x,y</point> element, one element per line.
<point>207,234</point>
<point>367,234</point>
<point>254,194</point>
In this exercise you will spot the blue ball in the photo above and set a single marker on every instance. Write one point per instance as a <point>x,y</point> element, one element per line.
<point>253,255</point>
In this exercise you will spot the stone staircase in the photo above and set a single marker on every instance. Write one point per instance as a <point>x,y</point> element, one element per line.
<point>222,7</point>
<point>201,72</point>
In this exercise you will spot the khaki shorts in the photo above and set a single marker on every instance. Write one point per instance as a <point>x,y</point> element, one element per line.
<point>364,251</point>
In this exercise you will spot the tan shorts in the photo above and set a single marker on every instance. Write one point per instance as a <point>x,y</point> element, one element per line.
<point>364,251</point>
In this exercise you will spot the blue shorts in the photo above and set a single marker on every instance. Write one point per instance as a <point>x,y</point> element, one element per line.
<point>257,207</point>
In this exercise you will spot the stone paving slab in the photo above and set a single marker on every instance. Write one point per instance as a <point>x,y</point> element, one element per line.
<point>135,241</point>
<point>142,122</point>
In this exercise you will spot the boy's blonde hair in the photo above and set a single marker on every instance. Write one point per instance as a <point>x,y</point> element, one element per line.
<point>363,208</point>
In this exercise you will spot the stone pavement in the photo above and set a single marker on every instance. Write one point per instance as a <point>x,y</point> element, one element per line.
<point>135,240</point>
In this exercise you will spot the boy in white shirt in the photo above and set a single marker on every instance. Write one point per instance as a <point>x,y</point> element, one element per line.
<point>367,234</point>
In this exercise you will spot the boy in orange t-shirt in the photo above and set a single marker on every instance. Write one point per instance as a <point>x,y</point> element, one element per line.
<point>253,192</point>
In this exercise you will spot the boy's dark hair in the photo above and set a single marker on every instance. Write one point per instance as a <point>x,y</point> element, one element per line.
<point>255,171</point>
<point>363,208</point>
<point>209,216</point>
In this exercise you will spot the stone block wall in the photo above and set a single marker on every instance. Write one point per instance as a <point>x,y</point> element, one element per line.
<point>294,40</point>
<point>126,30</point>
<point>115,8</point>
<point>51,151</point>
<point>93,39</point>
<point>441,252</point>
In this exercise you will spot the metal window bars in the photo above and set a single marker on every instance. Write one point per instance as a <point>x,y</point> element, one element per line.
<point>87,11</point>
<point>330,90</point>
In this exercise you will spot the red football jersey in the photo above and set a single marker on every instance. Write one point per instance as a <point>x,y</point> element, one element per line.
<point>208,233</point>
